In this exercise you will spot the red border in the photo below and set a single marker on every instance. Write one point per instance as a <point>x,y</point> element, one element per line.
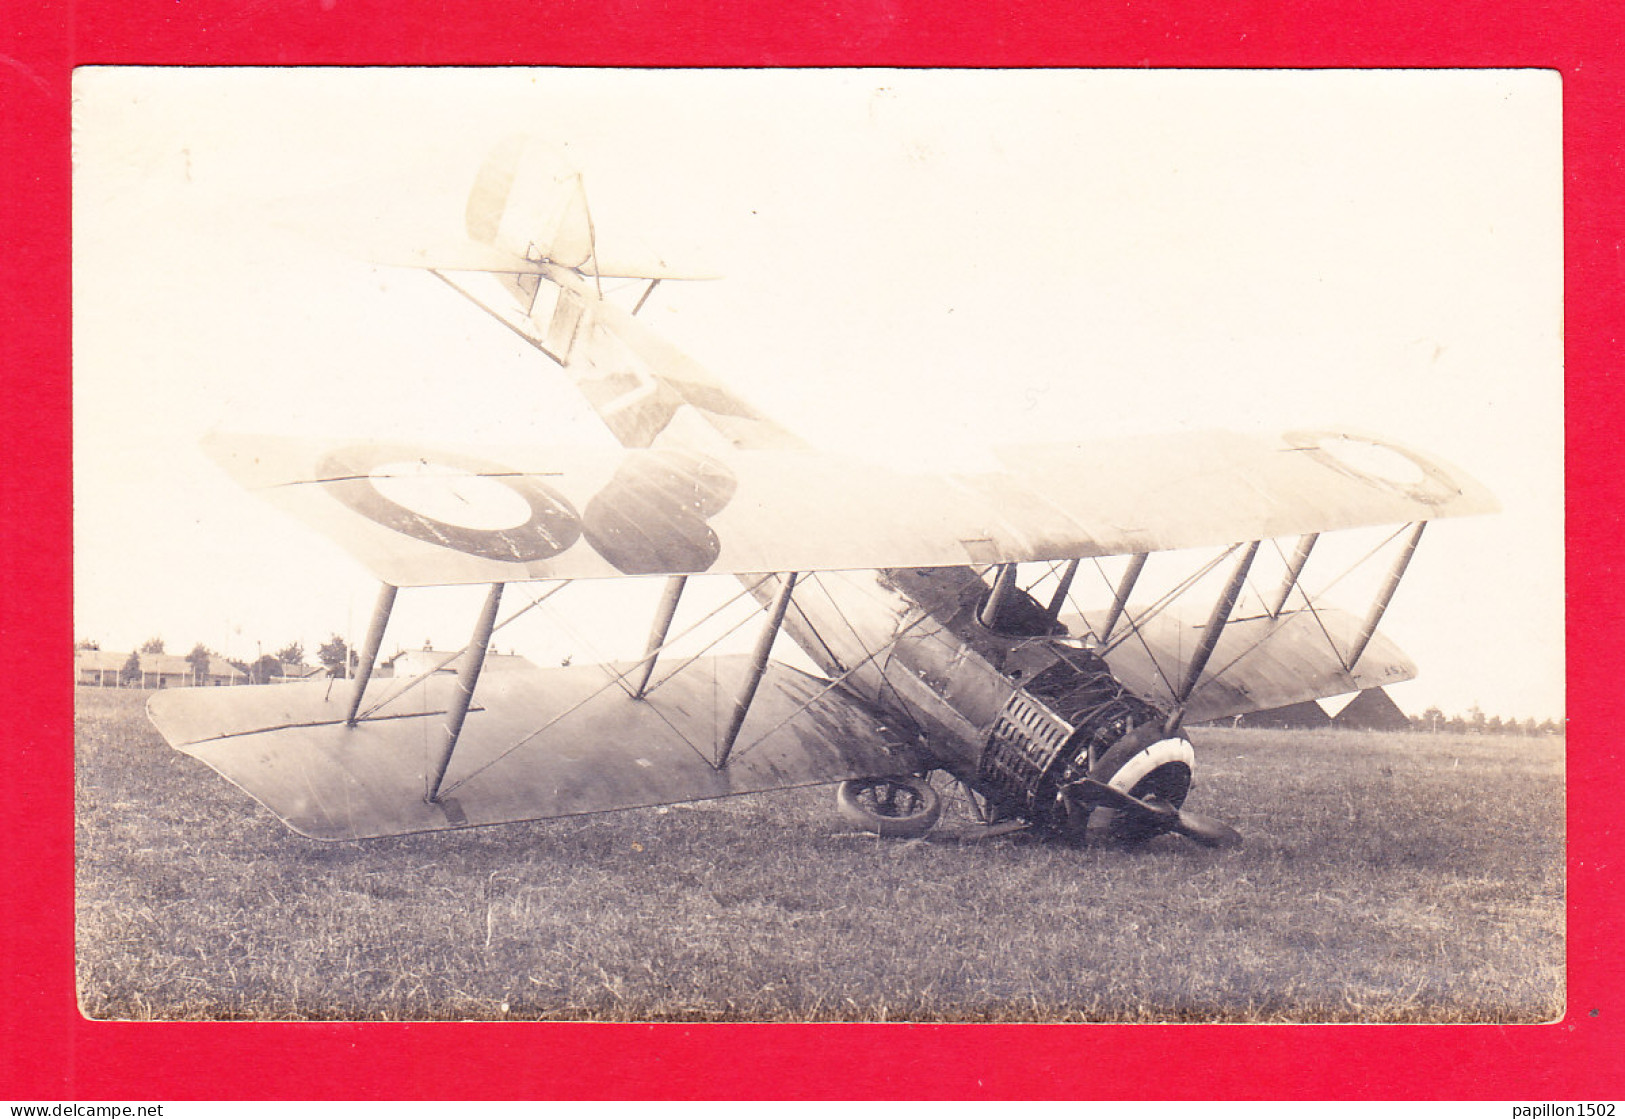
<point>48,1052</point>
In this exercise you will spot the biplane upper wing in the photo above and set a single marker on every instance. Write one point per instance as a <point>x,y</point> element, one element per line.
<point>421,515</point>
<point>539,743</point>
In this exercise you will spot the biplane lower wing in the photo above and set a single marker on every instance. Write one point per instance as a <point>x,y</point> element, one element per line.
<point>537,743</point>
<point>1260,662</point>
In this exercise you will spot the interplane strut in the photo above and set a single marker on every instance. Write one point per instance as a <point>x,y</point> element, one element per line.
<point>1125,587</point>
<point>1294,570</point>
<point>369,651</point>
<point>664,614</point>
<point>1213,630</point>
<point>1386,595</point>
<point>468,675</point>
<point>758,665</point>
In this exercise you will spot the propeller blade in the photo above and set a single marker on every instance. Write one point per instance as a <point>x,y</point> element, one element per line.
<point>1203,829</point>
<point>1207,831</point>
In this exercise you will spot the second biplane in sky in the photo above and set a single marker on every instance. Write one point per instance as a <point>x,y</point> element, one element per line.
<point>939,650</point>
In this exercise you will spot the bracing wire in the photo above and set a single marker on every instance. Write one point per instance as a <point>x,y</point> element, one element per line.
<point>438,665</point>
<point>617,679</point>
<point>1309,602</point>
<point>925,612</point>
<point>1136,623</point>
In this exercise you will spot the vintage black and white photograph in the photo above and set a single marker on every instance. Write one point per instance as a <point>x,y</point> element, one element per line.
<point>819,545</point>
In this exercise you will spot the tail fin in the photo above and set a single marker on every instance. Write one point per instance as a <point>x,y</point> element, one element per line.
<point>529,211</point>
<point>533,217</point>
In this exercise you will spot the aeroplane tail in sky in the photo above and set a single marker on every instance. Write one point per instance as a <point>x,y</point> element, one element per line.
<point>638,383</point>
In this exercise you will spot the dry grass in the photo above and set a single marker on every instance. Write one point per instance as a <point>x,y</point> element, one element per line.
<point>1384,878</point>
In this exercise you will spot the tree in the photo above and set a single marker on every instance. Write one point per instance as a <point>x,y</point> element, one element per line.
<point>199,659</point>
<point>291,653</point>
<point>131,672</point>
<point>1494,725</point>
<point>87,644</point>
<point>335,655</point>
<point>1432,719</point>
<point>153,645</point>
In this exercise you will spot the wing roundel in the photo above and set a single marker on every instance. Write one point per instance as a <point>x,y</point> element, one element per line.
<point>397,487</point>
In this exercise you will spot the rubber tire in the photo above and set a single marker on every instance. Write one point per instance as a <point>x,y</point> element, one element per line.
<point>850,801</point>
<point>1144,763</point>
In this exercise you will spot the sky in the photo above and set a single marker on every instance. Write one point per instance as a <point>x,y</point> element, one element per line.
<point>916,265</point>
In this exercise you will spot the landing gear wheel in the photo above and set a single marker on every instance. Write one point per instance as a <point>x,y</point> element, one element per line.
<point>901,807</point>
<point>1147,764</point>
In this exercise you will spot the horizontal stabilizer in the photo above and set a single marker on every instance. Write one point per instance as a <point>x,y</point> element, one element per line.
<point>419,515</point>
<point>537,743</point>
<point>471,256</point>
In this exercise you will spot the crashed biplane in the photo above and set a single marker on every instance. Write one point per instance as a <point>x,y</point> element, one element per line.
<point>938,608</point>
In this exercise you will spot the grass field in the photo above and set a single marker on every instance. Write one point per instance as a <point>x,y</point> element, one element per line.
<point>1383,878</point>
